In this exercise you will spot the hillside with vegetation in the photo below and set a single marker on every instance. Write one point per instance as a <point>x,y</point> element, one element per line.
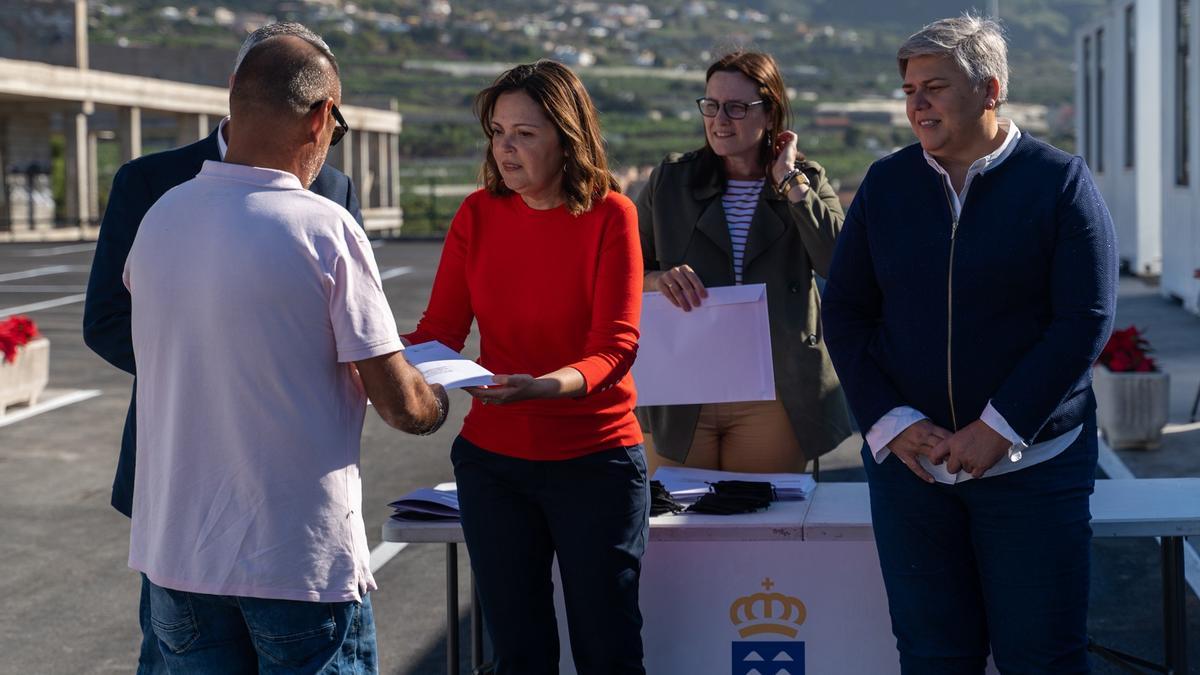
<point>642,62</point>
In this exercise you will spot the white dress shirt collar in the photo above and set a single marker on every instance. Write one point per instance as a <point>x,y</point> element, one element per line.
<point>983,164</point>
<point>222,146</point>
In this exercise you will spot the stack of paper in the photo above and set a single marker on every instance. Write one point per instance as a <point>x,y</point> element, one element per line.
<point>687,485</point>
<point>436,503</point>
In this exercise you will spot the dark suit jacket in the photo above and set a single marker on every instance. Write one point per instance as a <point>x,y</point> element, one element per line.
<point>682,220</point>
<point>106,329</point>
<point>1010,303</point>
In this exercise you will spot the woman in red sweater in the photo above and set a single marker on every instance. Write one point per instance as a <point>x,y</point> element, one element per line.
<point>549,462</point>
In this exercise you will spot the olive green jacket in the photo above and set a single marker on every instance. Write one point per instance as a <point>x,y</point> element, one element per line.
<point>682,221</point>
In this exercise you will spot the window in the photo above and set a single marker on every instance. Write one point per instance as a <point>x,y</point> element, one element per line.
<point>1100,101</point>
<point>1183,128</point>
<point>1130,84</point>
<point>1085,143</point>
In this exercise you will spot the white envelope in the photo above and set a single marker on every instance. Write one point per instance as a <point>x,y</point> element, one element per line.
<point>719,352</point>
<point>439,364</point>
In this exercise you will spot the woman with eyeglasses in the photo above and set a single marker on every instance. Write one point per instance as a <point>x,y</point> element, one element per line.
<point>747,208</point>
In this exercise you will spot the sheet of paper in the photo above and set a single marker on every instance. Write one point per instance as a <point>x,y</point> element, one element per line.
<point>441,365</point>
<point>436,503</point>
<point>687,484</point>
<point>719,352</point>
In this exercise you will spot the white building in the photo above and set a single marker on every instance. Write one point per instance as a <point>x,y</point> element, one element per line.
<point>35,96</point>
<point>1138,127</point>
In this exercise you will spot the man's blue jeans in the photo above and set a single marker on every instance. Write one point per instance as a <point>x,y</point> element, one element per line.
<point>150,659</point>
<point>199,633</point>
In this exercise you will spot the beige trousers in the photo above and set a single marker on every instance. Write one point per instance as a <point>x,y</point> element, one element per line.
<point>750,437</point>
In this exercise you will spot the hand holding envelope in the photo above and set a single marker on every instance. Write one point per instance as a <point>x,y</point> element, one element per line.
<point>439,364</point>
<point>719,352</point>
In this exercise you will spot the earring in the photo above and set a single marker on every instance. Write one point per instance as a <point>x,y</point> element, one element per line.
<point>990,103</point>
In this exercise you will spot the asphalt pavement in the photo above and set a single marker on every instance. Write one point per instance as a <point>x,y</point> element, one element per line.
<point>69,602</point>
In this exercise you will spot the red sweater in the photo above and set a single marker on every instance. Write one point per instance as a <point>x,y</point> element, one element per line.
<point>548,290</point>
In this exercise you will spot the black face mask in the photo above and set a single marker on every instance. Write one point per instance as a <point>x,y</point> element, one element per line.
<point>661,500</point>
<point>728,497</point>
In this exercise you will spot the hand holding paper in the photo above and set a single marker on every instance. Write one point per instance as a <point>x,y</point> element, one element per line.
<point>681,285</point>
<point>719,352</point>
<point>513,388</point>
<point>439,364</point>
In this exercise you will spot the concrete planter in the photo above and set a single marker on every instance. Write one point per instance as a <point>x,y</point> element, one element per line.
<point>23,380</point>
<point>1131,408</point>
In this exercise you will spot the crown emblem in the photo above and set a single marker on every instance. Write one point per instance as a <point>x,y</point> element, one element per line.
<point>767,613</point>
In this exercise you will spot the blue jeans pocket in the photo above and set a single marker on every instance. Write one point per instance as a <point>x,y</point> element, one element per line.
<point>624,463</point>
<point>290,633</point>
<point>172,618</point>
<point>637,455</point>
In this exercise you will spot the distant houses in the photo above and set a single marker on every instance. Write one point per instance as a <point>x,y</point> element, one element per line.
<point>1137,123</point>
<point>68,114</point>
<point>886,111</point>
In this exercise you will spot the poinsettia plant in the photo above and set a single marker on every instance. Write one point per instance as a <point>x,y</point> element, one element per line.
<point>1127,351</point>
<point>15,331</point>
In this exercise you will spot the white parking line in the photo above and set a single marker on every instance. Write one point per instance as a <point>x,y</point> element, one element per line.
<point>59,250</point>
<point>383,554</point>
<point>394,272</point>
<point>1181,428</point>
<point>1114,468</point>
<point>46,304</point>
<point>377,243</point>
<point>41,272</point>
<point>49,404</point>
<point>42,289</point>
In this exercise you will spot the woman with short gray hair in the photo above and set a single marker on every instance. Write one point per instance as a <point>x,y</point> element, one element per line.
<point>976,46</point>
<point>971,290</point>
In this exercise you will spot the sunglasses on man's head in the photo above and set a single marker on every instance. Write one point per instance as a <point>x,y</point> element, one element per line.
<point>341,129</point>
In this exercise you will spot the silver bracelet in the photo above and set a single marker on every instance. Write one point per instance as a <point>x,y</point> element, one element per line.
<point>443,410</point>
<point>781,186</point>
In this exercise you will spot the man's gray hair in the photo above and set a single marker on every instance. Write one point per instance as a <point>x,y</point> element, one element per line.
<point>976,44</point>
<point>284,73</point>
<point>283,28</point>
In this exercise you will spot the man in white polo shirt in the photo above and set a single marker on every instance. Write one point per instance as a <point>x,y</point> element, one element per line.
<point>253,301</point>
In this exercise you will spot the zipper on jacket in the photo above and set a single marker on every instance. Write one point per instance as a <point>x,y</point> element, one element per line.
<point>950,306</point>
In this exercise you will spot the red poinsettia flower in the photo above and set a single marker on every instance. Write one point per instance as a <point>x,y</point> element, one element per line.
<point>1127,352</point>
<point>9,347</point>
<point>15,331</point>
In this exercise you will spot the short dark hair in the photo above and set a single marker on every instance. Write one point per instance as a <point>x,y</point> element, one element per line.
<point>283,28</point>
<point>284,73</point>
<point>560,94</point>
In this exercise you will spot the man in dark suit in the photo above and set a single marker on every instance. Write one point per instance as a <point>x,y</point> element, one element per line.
<point>106,315</point>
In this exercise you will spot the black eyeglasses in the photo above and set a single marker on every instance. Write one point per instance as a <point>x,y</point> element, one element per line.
<point>341,129</point>
<point>734,110</point>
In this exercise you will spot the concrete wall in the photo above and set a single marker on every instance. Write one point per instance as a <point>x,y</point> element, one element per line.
<point>1131,183</point>
<point>25,162</point>
<point>90,103</point>
<point>1156,210</point>
<point>1180,222</point>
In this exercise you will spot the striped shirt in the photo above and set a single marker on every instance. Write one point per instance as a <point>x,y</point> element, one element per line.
<point>740,200</point>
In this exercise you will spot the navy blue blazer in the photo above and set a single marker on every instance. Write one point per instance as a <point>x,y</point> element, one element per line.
<point>106,326</point>
<point>1012,306</point>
